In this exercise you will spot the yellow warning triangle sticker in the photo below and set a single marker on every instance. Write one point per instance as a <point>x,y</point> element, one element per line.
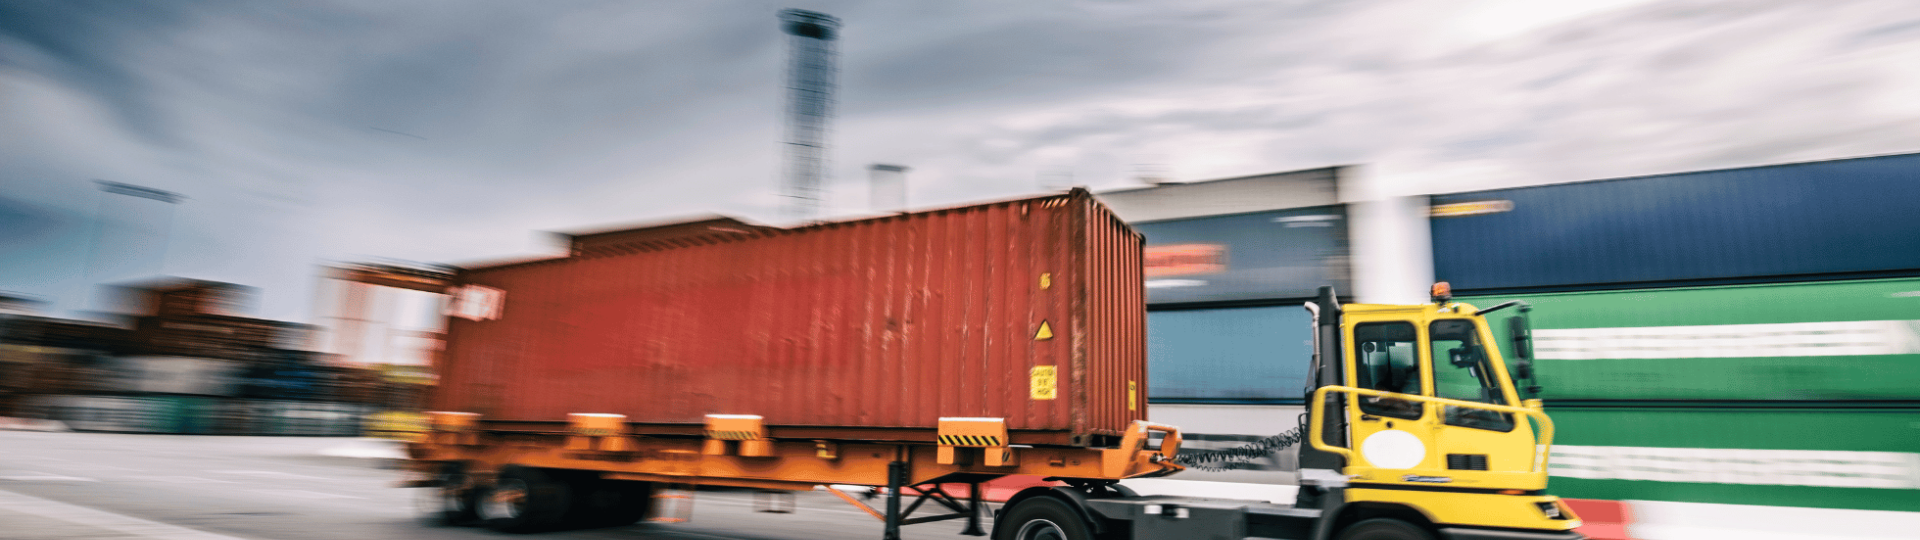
<point>1045,333</point>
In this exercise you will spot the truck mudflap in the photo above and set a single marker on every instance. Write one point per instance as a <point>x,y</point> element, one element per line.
<point>1455,533</point>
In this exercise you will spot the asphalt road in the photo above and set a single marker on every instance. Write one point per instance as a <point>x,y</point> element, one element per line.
<point>67,486</point>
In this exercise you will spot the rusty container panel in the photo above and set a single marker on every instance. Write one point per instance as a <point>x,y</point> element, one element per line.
<point>881,323</point>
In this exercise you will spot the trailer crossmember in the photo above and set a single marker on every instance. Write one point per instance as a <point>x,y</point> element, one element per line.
<point>894,516</point>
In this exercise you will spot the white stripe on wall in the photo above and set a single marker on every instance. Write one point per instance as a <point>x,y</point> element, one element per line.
<point>1844,338</point>
<point>1823,468</point>
<point>1704,521</point>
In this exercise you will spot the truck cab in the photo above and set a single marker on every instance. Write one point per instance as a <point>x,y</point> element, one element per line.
<point>1414,431</point>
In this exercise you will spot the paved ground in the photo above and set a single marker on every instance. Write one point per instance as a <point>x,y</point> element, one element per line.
<point>61,486</point>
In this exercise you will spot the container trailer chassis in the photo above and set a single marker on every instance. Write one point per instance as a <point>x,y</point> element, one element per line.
<point>596,471</point>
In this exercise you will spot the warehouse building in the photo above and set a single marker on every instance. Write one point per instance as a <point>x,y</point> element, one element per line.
<point>1228,264</point>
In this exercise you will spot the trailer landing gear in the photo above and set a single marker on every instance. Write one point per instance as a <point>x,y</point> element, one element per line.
<point>932,490</point>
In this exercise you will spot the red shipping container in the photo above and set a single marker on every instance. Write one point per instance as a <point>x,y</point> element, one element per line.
<point>1030,310</point>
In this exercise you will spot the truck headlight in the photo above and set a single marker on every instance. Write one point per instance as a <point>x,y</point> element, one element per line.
<point>1549,508</point>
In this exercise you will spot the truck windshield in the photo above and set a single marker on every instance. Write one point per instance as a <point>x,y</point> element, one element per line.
<point>1461,371</point>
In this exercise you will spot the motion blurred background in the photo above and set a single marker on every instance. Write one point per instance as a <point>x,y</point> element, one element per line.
<point>239,218</point>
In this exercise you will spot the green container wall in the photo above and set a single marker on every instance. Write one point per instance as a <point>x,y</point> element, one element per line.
<point>1847,377</point>
<point>1844,449</point>
<point>117,414</point>
<point>316,419</point>
<point>172,414</point>
<point>199,415</point>
<point>1750,428</point>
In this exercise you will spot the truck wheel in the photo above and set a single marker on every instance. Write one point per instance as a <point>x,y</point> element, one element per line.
<point>1384,529</point>
<point>523,500</point>
<point>452,502</point>
<point>608,503</point>
<point>635,499</point>
<point>1044,518</point>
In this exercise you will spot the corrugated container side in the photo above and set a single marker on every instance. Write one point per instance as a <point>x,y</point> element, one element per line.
<point>890,322</point>
<point>1825,220</point>
<point>1835,341</point>
<point>1118,335</point>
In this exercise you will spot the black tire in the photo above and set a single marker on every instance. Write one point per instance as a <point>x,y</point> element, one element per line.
<point>634,502</point>
<point>523,500</point>
<point>452,502</point>
<point>1042,518</point>
<point>1384,529</point>
<point>608,503</point>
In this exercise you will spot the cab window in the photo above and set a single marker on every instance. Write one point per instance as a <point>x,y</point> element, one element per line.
<point>1462,371</point>
<point>1386,358</point>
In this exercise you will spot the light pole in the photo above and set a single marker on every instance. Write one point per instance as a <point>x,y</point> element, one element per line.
<point>109,187</point>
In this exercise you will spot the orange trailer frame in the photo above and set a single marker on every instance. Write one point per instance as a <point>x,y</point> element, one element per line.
<point>735,451</point>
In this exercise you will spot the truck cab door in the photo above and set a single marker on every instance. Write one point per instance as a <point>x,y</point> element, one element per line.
<point>1388,434</point>
<point>1476,447</point>
<point>1407,442</point>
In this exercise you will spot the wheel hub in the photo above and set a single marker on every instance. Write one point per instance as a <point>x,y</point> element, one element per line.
<point>506,500</point>
<point>1040,529</point>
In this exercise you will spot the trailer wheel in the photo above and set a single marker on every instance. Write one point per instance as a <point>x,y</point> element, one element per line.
<point>1044,518</point>
<point>635,500</point>
<point>1384,529</point>
<point>523,500</point>
<point>452,502</point>
<point>608,503</point>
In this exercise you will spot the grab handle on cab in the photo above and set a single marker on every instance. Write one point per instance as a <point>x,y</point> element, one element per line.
<point>1315,435</point>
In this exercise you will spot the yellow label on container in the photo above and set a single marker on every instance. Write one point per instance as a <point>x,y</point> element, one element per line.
<point>1046,280</point>
<point>1045,333</point>
<point>1045,382</point>
<point>1133,396</point>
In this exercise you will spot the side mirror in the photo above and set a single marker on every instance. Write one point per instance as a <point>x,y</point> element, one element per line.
<point>1520,331</point>
<point>1521,334</point>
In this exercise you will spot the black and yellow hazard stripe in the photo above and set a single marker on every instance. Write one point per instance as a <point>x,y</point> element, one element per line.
<point>969,440</point>
<point>596,432</point>
<point>733,435</point>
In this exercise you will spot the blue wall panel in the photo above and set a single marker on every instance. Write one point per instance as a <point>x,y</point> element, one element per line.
<point>1237,355</point>
<point>1280,254</point>
<point>1824,219</point>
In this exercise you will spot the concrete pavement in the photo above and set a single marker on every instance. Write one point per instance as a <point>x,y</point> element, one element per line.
<point>181,487</point>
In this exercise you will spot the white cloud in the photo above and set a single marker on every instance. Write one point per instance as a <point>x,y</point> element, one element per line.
<point>449,132</point>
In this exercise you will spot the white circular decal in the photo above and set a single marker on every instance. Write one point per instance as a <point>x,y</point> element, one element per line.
<point>1393,449</point>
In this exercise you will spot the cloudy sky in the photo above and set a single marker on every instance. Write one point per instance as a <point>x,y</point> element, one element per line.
<point>448,131</point>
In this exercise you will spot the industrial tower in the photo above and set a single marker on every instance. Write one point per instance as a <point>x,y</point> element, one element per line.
<point>810,72</point>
